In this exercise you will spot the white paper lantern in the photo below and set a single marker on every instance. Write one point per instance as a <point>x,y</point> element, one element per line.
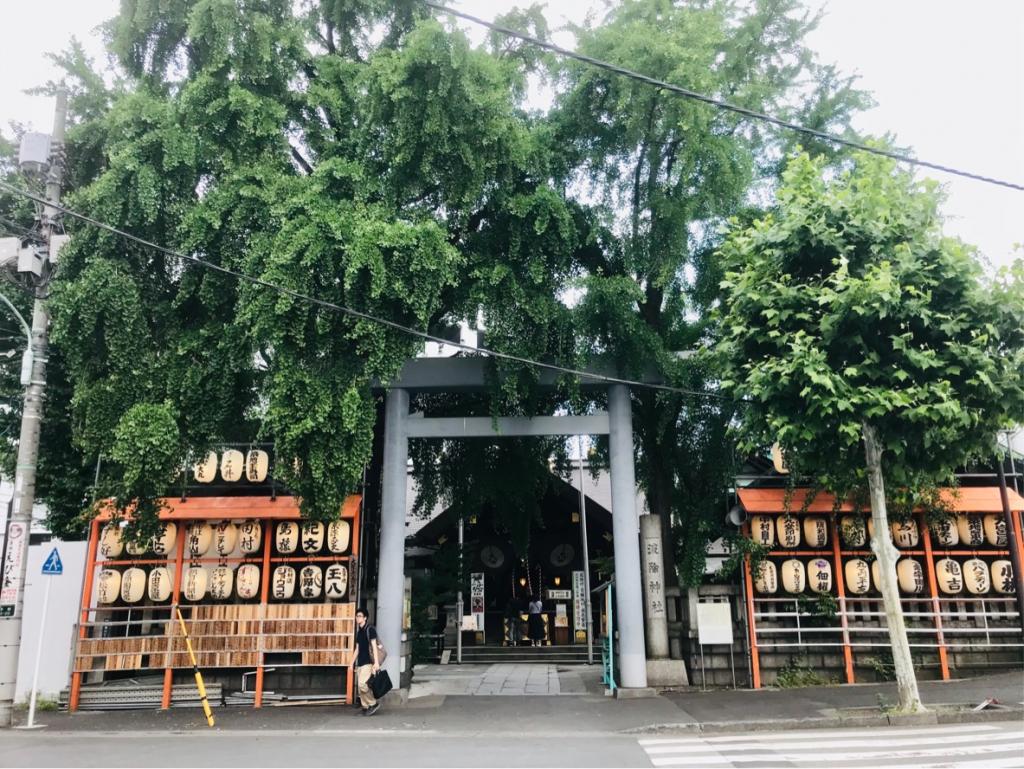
<point>311,581</point>
<point>250,536</point>
<point>160,584</point>
<point>904,533</point>
<point>248,581</point>
<point>205,471</point>
<point>945,532</point>
<point>788,529</point>
<point>976,576</point>
<point>819,575</point>
<point>163,543</point>
<point>111,542</point>
<point>858,576</point>
<point>257,463</point>
<point>794,576</point>
<point>232,465</point>
<point>335,581</point>
<point>766,578</point>
<point>1002,577</point>
<point>971,529</point>
<point>134,547</point>
<point>282,585</point>
<point>133,585</point>
<point>287,537</point>
<point>108,586</point>
<point>225,537</point>
<point>198,536</point>
<point>910,576</point>
<point>853,530</point>
<point>312,536</point>
<point>222,579</point>
<point>995,530</point>
<point>949,575</point>
<point>194,583</point>
<point>762,530</point>
<point>339,536</point>
<point>815,531</point>
<point>876,576</point>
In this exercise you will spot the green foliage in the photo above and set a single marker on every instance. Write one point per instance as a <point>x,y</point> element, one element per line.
<point>797,674</point>
<point>846,307</point>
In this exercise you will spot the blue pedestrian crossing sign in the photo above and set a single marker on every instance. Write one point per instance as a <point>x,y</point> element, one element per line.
<point>52,565</point>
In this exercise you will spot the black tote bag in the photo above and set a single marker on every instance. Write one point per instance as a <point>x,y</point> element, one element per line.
<point>380,683</point>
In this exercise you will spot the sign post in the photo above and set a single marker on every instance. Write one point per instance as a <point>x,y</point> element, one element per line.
<point>52,567</point>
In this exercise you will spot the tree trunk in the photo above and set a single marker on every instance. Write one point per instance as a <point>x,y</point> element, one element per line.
<point>886,553</point>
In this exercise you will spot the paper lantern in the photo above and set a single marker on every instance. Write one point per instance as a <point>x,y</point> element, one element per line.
<point>904,533</point>
<point>111,543</point>
<point>248,581</point>
<point>853,530</point>
<point>198,537</point>
<point>163,543</point>
<point>1002,577</point>
<point>311,581</point>
<point>794,576</point>
<point>108,586</point>
<point>222,579</point>
<point>134,547</point>
<point>232,465</point>
<point>910,576</point>
<point>819,575</point>
<point>160,584</point>
<point>762,530</point>
<point>282,586</point>
<point>815,531</point>
<point>766,578</point>
<point>971,529</point>
<point>225,537</point>
<point>976,576</point>
<point>339,534</point>
<point>336,581</point>
<point>871,529</point>
<point>257,463</point>
<point>287,537</point>
<point>949,575</point>
<point>194,583</point>
<point>876,576</point>
<point>133,585</point>
<point>205,471</point>
<point>312,536</point>
<point>945,532</point>
<point>858,576</point>
<point>779,460</point>
<point>995,530</point>
<point>250,536</point>
<point>788,529</point>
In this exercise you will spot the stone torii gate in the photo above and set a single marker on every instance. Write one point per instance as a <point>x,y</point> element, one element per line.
<point>468,375</point>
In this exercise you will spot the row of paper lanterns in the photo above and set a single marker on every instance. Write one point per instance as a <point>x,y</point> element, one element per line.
<point>952,577</point>
<point>233,465</point>
<point>225,536</point>
<point>971,530</point>
<point>134,583</point>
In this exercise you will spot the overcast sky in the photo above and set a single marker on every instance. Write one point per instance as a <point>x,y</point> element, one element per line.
<point>948,76</point>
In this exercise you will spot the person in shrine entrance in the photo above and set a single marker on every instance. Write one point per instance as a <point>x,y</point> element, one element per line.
<point>367,661</point>
<point>536,624</point>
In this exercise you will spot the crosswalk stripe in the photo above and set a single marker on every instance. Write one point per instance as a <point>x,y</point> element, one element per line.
<point>753,743</point>
<point>816,736</point>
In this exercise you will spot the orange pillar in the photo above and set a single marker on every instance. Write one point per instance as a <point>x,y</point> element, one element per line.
<point>268,538</point>
<point>179,567</point>
<point>929,564</point>
<point>837,564</point>
<point>755,657</point>
<point>353,561</point>
<point>90,575</point>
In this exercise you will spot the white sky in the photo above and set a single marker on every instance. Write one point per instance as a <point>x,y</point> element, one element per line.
<point>948,76</point>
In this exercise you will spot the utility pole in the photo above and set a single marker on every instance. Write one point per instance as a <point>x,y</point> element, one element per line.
<point>15,559</point>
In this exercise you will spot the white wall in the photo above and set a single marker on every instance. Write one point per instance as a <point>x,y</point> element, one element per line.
<point>65,594</point>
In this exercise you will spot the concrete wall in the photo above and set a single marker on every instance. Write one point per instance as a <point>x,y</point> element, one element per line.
<point>61,616</point>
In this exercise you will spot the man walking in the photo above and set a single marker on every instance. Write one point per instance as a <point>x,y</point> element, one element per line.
<point>367,661</point>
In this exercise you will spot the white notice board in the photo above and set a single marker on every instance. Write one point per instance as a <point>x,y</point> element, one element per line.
<point>714,623</point>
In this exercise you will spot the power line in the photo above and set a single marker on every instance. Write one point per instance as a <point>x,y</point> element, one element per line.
<point>357,313</point>
<point>696,96</point>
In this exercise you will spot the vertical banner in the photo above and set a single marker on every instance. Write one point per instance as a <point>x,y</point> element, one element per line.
<point>579,604</point>
<point>10,575</point>
<point>476,598</point>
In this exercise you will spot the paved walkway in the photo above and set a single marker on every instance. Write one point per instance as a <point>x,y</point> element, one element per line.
<point>503,679</point>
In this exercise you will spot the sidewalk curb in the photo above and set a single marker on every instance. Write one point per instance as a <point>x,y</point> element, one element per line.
<point>849,722</point>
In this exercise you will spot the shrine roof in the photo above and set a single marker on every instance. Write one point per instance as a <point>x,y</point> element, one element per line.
<point>966,499</point>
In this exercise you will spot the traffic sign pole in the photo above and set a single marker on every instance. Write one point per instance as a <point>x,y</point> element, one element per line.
<point>39,656</point>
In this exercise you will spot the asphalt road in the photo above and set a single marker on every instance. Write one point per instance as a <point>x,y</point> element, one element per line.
<point>968,745</point>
